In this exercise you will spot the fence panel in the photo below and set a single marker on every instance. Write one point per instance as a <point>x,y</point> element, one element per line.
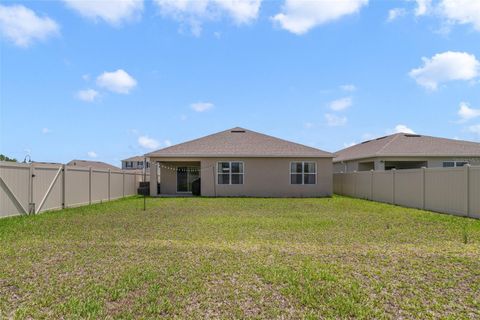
<point>337,183</point>
<point>99,186</point>
<point>474,188</point>
<point>409,188</point>
<point>348,184</point>
<point>116,185</point>
<point>446,190</point>
<point>14,189</point>
<point>383,186</point>
<point>363,185</point>
<point>77,186</point>
<point>33,188</point>
<point>46,177</point>
<point>130,184</point>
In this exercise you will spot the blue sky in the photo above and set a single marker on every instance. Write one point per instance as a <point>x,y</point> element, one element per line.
<point>108,80</point>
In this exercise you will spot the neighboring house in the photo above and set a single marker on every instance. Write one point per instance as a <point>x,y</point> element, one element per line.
<point>406,151</point>
<point>93,164</point>
<point>240,162</point>
<point>135,163</point>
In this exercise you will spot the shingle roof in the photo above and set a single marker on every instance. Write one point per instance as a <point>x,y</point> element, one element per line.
<point>94,164</point>
<point>135,158</point>
<point>409,145</point>
<point>239,142</point>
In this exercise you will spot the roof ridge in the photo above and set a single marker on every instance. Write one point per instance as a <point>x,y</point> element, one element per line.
<point>395,136</point>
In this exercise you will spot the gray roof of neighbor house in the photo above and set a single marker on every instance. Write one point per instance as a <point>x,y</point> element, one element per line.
<point>409,145</point>
<point>239,142</point>
<point>94,164</point>
<point>135,158</point>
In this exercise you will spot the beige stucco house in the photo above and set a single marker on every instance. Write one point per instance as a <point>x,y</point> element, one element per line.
<point>241,162</point>
<point>406,151</point>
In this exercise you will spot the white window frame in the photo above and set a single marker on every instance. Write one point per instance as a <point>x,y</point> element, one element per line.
<point>455,163</point>
<point>230,173</point>
<point>302,173</point>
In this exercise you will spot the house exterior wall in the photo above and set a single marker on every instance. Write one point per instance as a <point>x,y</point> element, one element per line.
<point>263,177</point>
<point>432,162</point>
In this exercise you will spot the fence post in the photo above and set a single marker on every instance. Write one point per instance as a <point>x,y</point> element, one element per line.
<point>64,172</point>
<point>423,187</point>
<point>467,189</point>
<point>31,205</point>
<point>90,186</point>
<point>340,176</point>
<point>393,187</point>
<point>109,182</point>
<point>123,183</point>
<point>355,183</point>
<point>371,184</point>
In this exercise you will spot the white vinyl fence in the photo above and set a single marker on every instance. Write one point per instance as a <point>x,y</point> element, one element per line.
<point>28,189</point>
<point>447,190</point>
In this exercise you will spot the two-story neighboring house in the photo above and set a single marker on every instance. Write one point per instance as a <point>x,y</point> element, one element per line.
<point>406,151</point>
<point>136,163</point>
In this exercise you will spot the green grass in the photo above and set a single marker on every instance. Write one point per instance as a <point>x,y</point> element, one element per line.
<point>240,258</point>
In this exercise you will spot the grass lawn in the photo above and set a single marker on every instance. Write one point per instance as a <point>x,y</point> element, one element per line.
<point>240,258</point>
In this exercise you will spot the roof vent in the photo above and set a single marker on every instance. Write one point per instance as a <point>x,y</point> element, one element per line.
<point>237,131</point>
<point>381,138</point>
<point>412,135</point>
<point>366,141</point>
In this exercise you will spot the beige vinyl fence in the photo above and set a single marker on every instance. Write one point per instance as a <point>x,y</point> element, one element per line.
<point>28,189</point>
<point>447,190</point>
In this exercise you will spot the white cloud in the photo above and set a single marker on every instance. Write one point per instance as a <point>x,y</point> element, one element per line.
<point>92,154</point>
<point>423,7</point>
<point>117,81</point>
<point>466,113</point>
<point>334,120</point>
<point>446,66</point>
<point>148,143</point>
<point>348,87</point>
<point>461,12</point>
<point>308,125</point>
<point>46,130</point>
<point>202,106</point>
<point>88,95</point>
<point>195,12</point>
<point>167,143</point>
<point>395,13</point>
<point>112,12</point>
<point>401,128</point>
<point>475,129</point>
<point>341,104</point>
<point>23,26</point>
<point>348,145</point>
<point>299,16</point>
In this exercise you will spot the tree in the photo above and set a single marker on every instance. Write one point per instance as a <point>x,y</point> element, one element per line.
<point>5,158</point>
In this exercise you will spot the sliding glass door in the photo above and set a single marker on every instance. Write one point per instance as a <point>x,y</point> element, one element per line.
<point>185,177</point>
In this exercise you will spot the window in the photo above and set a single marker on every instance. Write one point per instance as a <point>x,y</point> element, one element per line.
<point>128,164</point>
<point>453,164</point>
<point>230,172</point>
<point>303,173</point>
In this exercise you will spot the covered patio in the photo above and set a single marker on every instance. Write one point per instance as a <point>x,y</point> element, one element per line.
<point>176,178</point>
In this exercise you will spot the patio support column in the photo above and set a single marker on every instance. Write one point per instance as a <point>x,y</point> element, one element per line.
<point>153,177</point>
